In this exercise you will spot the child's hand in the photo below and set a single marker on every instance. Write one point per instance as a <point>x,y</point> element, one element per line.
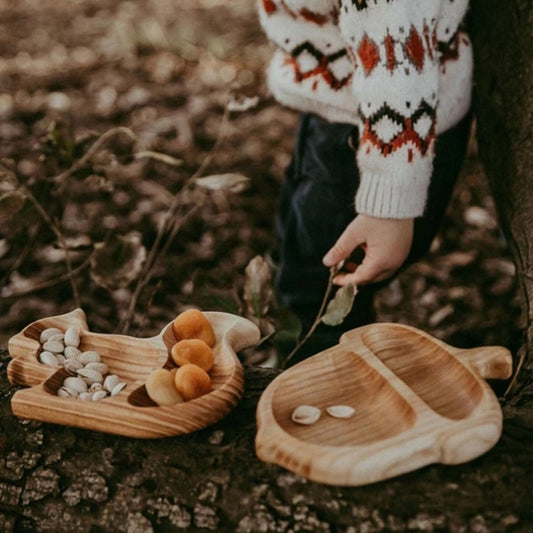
<point>386,243</point>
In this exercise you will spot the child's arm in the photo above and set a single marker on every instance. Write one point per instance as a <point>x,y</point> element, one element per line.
<point>386,243</point>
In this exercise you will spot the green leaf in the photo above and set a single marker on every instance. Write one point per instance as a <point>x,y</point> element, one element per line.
<point>118,261</point>
<point>223,182</point>
<point>288,328</point>
<point>340,306</point>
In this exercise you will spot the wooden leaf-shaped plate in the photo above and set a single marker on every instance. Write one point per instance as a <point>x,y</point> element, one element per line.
<point>417,401</point>
<point>131,412</point>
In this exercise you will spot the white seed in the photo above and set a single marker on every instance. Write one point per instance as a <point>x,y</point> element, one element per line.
<point>65,392</point>
<point>86,396</point>
<point>95,387</point>
<point>89,356</point>
<point>99,395</point>
<point>72,337</point>
<point>48,358</point>
<point>72,366</point>
<point>340,411</point>
<point>47,333</point>
<point>54,346</point>
<point>117,388</point>
<point>110,381</point>
<point>99,367</point>
<point>71,352</point>
<point>57,337</point>
<point>305,414</point>
<point>90,376</point>
<point>75,384</point>
<point>60,358</point>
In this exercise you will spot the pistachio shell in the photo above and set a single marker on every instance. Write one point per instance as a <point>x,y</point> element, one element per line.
<point>96,387</point>
<point>75,384</point>
<point>71,352</point>
<point>110,381</point>
<point>89,356</point>
<point>99,367</point>
<point>86,396</point>
<point>48,358</point>
<point>72,337</point>
<point>306,414</point>
<point>65,392</point>
<point>340,411</point>
<point>117,388</point>
<point>54,346</point>
<point>47,333</point>
<point>72,366</point>
<point>99,395</point>
<point>90,376</point>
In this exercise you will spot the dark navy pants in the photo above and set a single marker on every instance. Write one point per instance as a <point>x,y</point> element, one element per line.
<point>317,203</point>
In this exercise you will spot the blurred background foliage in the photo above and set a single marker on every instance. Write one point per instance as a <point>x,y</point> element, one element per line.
<point>109,111</point>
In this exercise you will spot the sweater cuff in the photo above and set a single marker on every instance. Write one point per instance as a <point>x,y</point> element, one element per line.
<point>391,196</point>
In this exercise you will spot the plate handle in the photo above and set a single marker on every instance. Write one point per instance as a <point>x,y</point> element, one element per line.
<point>488,362</point>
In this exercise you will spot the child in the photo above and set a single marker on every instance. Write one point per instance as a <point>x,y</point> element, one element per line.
<point>384,90</point>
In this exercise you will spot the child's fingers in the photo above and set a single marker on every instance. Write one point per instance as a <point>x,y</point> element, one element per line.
<point>366,272</point>
<point>344,246</point>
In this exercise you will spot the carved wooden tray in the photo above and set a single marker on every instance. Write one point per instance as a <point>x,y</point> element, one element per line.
<point>418,401</point>
<point>131,412</point>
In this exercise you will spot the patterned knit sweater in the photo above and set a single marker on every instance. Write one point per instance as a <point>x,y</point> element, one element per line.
<point>400,70</point>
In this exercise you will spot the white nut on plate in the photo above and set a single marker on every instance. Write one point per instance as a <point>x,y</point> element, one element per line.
<point>89,356</point>
<point>75,384</point>
<point>47,333</point>
<point>72,337</point>
<point>340,411</point>
<point>48,358</point>
<point>86,396</point>
<point>72,366</point>
<point>110,381</point>
<point>54,346</point>
<point>65,392</point>
<point>99,367</point>
<point>99,395</point>
<point>117,388</point>
<point>306,414</point>
<point>90,376</point>
<point>96,387</point>
<point>71,352</point>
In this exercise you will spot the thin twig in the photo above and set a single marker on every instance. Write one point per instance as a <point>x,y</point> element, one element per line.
<point>79,163</point>
<point>171,227</point>
<point>521,360</point>
<point>51,282</point>
<point>332,273</point>
<point>61,240</point>
<point>19,260</point>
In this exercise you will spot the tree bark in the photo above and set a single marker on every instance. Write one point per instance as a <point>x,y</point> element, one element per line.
<point>502,34</point>
<point>60,479</point>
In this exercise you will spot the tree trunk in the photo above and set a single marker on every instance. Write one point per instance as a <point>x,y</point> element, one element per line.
<point>503,44</point>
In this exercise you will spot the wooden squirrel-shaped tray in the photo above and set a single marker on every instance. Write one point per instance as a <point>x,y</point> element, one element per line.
<point>130,412</point>
<point>417,401</point>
